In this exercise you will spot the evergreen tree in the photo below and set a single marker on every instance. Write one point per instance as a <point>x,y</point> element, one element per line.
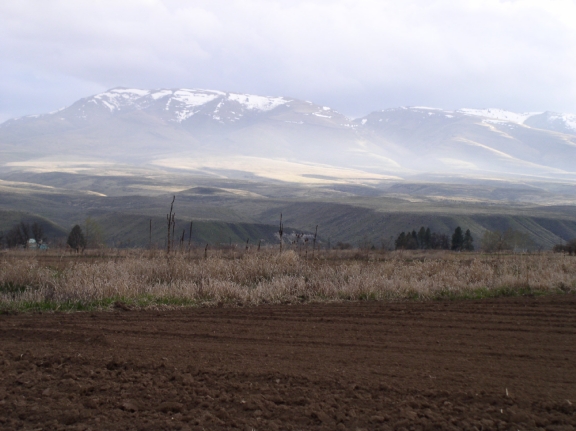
<point>422,238</point>
<point>434,241</point>
<point>400,242</point>
<point>76,239</point>
<point>439,241</point>
<point>414,244</point>
<point>468,240</point>
<point>427,237</point>
<point>443,242</point>
<point>457,239</point>
<point>412,241</point>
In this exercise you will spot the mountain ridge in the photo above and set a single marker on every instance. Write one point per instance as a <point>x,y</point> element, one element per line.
<point>211,131</point>
<point>120,98</point>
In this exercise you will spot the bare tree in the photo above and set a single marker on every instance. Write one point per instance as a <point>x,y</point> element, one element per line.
<point>170,220</point>
<point>18,235</point>
<point>25,233</point>
<point>37,232</point>
<point>281,232</point>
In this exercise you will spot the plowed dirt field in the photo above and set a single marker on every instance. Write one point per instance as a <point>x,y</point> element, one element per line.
<point>494,364</point>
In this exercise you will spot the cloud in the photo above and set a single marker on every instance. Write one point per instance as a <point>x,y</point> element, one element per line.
<point>354,56</point>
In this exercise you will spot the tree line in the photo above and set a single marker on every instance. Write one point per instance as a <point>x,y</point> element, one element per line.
<point>490,242</point>
<point>425,239</point>
<point>92,236</point>
<point>569,247</point>
<point>21,233</point>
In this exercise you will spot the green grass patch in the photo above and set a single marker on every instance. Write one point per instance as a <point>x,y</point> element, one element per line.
<point>12,288</point>
<point>150,301</point>
<point>142,302</point>
<point>500,292</point>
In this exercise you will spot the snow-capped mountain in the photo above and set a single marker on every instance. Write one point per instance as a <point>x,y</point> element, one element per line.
<point>564,123</point>
<point>200,129</point>
<point>181,104</point>
<point>499,115</point>
<point>469,140</point>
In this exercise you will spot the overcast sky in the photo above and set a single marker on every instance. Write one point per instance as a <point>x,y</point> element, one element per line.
<point>355,56</point>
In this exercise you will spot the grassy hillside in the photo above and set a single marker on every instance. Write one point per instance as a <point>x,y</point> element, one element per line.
<point>10,218</point>
<point>132,230</point>
<point>356,224</point>
<point>336,223</point>
<point>225,210</point>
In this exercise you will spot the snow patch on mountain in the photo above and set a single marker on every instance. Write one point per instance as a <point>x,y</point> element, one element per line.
<point>427,108</point>
<point>259,103</point>
<point>191,98</point>
<point>568,119</point>
<point>499,114</point>
<point>119,98</point>
<point>161,94</point>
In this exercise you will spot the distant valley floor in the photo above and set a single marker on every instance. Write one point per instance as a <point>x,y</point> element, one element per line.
<point>234,211</point>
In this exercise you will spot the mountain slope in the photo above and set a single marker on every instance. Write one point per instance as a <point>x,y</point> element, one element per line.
<point>283,138</point>
<point>433,140</point>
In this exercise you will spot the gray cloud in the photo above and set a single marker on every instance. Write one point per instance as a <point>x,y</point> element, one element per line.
<point>354,56</point>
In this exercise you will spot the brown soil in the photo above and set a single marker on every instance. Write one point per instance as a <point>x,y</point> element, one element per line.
<point>492,364</point>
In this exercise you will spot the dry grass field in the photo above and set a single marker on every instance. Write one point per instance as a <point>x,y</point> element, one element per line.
<point>141,279</point>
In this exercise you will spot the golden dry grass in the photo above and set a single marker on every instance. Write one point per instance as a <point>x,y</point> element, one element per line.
<point>144,278</point>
